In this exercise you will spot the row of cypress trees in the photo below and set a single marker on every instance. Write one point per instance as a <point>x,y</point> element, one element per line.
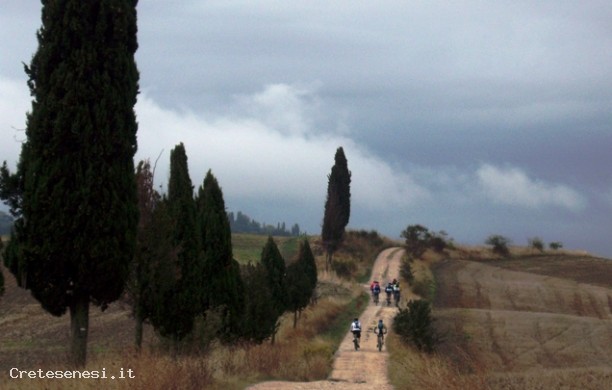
<point>184,270</point>
<point>77,238</point>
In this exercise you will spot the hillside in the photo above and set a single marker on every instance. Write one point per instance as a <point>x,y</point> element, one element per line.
<point>530,321</point>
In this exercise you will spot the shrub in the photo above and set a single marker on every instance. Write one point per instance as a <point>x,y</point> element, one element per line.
<point>555,245</point>
<point>424,287</point>
<point>414,324</point>
<point>499,244</point>
<point>406,270</point>
<point>344,268</point>
<point>417,240</point>
<point>536,243</point>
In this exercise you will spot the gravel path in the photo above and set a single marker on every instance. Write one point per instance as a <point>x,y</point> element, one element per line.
<point>366,368</point>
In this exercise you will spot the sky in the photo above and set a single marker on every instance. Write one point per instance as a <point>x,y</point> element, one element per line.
<point>471,117</point>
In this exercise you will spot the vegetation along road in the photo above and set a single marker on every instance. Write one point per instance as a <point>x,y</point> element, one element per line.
<point>366,368</point>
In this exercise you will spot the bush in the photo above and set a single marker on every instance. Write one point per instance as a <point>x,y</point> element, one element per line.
<point>536,243</point>
<point>555,245</point>
<point>406,270</point>
<point>344,269</point>
<point>414,324</point>
<point>499,244</point>
<point>417,240</point>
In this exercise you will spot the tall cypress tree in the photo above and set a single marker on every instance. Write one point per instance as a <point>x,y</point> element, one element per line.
<point>337,205</point>
<point>184,302</point>
<point>76,233</point>
<point>221,274</point>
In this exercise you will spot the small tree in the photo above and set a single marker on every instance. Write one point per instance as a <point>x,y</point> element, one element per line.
<point>417,240</point>
<point>154,270</point>
<point>274,264</point>
<point>414,324</point>
<point>301,281</point>
<point>260,317</point>
<point>555,245</point>
<point>536,243</point>
<point>499,244</point>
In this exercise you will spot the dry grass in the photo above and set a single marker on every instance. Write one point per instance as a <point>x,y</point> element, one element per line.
<point>411,369</point>
<point>299,354</point>
<point>527,322</point>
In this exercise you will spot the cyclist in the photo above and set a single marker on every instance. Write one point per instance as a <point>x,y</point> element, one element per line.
<point>396,293</point>
<point>389,291</point>
<point>372,284</point>
<point>356,330</point>
<point>375,292</point>
<point>381,331</point>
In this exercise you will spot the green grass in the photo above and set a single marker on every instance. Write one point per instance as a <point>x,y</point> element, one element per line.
<point>247,247</point>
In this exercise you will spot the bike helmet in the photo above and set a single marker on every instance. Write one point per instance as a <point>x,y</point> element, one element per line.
<point>355,319</point>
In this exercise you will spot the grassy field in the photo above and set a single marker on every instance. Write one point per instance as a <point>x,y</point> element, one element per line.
<point>247,247</point>
<point>528,321</point>
<point>531,321</point>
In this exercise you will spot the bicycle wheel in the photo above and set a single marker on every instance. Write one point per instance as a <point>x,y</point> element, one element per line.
<point>380,344</point>
<point>356,342</point>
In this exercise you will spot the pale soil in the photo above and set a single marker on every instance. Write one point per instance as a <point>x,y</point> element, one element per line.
<point>366,368</point>
<point>516,325</point>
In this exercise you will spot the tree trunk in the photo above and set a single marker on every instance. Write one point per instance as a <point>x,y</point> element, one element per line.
<point>328,260</point>
<point>138,330</point>
<point>79,327</point>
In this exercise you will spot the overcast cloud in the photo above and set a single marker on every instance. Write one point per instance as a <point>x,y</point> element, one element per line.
<point>476,118</point>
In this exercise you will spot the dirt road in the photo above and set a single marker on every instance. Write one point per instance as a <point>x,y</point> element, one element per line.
<point>366,368</point>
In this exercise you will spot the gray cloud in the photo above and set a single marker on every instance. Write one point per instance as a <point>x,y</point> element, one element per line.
<point>475,118</point>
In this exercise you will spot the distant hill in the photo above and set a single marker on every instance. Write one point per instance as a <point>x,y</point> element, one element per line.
<point>6,223</point>
<point>242,223</point>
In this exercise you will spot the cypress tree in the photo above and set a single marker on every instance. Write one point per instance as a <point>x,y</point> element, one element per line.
<point>310,266</point>
<point>221,274</point>
<point>274,264</point>
<point>337,206</point>
<point>301,280</point>
<point>154,270</point>
<point>184,301</point>
<point>259,321</point>
<point>78,210</point>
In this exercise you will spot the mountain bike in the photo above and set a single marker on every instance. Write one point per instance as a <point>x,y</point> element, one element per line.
<point>396,297</point>
<point>375,297</point>
<point>356,341</point>
<point>381,340</point>
<point>388,299</point>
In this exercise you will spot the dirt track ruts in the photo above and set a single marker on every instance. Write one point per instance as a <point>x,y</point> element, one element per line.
<point>366,368</point>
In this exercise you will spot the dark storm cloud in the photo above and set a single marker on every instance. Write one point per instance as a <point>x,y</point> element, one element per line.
<point>472,117</point>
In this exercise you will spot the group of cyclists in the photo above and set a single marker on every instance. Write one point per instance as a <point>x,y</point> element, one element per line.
<point>391,289</point>
<point>380,330</point>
